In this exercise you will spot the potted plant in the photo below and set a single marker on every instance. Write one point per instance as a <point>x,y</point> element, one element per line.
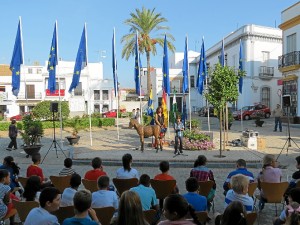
<point>33,131</point>
<point>257,116</point>
<point>75,125</point>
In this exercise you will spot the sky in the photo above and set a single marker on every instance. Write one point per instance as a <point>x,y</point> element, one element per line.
<point>211,19</point>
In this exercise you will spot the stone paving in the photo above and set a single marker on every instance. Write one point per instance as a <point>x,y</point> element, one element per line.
<point>107,146</point>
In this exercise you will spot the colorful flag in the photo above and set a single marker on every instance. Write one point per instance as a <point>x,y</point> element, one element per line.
<point>150,107</point>
<point>137,76</point>
<point>185,68</point>
<point>114,64</point>
<point>16,61</point>
<point>166,78</point>
<point>202,72</point>
<point>81,60</point>
<point>184,113</point>
<point>164,107</point>
<point>52,62</point>
<point>222,57</point>
<point>241,67</point>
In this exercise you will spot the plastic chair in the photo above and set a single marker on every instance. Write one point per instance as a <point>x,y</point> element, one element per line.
<point>273,192</point>
<point>64,212</point>
<point>124,184</point>
<point>90,185</point>
<point>23,181</point>
<point>203,216</point>
<point>204,189</point>
<point>163,188</point>
<point>251,188</point>
<point>105,214</point>
<point>23,208</point>
<point>61,182</point>
<point>150,215</point>
<point>251,218</point>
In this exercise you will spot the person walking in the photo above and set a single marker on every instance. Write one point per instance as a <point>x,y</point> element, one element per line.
<point>12,133</point>
<point>278,113</point>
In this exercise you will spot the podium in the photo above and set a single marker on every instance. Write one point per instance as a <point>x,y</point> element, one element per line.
<point>249,139</point>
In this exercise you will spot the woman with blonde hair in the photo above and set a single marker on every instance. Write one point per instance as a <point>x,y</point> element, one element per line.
<point>130,210</point>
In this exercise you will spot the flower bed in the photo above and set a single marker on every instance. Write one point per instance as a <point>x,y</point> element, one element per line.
<point>195,140</point>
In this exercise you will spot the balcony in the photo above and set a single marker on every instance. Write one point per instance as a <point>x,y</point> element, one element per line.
<point>266,73</point>
<point>289,61</point>
<point>30,96</point>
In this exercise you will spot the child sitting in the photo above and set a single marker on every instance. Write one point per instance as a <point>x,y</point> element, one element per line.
<point>82,205</point>
<point>67,170</point>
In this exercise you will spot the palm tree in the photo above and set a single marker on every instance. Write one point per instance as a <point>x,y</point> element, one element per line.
<point>147,22</point>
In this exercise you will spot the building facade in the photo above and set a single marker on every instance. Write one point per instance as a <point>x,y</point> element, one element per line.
<point>289,61</point>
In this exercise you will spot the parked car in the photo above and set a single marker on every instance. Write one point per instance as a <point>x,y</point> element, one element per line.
<point>204,112</point>
<point>247,111</point>
<point>110,113</point>
<point>19,117</point>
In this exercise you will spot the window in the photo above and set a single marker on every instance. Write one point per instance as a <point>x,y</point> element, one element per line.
<point>105,95</point>
<point>265,58</point>
<point>192,81</point>
<point>96,108</point>
<point>62,84</point>
<point>39,70</point>
<point>30,70</point>
<point>78,90</point>
<point>291,43</point>
<point>265,96</point>
<point>2,88</point>
<point>97,95</point>
<point>30,91</point>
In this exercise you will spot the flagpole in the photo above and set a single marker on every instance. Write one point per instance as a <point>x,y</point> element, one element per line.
<point>89,85</point>
<point>208,109</point>
<point>117,84</point>
<point>189,81</point>
<point>21,34</point>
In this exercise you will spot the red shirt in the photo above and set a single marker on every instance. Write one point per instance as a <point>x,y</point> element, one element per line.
<point>94,174</point>
<point>163,176</point>
<point>35,170</point>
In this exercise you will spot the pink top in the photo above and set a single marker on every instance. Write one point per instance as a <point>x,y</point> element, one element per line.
<point>176,222</point>
<point>271,175</point>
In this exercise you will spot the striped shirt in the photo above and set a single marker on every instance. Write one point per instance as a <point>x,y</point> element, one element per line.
<point>243,171</point>
<point>246,200</point>
<point>66,171</point>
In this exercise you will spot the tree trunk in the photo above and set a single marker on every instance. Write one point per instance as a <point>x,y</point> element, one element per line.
<point>148,73</point>
<point>226,121</point>
<point>224,128</point>
<point>221,128</point>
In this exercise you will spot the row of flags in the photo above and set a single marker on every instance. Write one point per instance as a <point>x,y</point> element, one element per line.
<point>17,60</point>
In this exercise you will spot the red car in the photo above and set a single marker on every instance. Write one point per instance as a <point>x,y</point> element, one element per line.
<point>249,110</point>
<point>19,117</point>
<point>110,113</point>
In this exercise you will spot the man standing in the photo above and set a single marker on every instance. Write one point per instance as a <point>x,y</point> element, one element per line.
<point>12,133</point>
<point>278,113</point>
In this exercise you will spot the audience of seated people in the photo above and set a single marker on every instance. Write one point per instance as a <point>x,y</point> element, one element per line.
<point>68,194</point>
<point>239,192</point>
<point>35,169</point>
<point>240,169</point>
<point>270,173</point>
<point>130,210</point>
<point>49,202</point>
<point>293,214</point>
<point>294,180</point>
<point>14,171</point>
<point>126,171</point>
<point>202,173</point>
<point>176,209</point>
<point>7,209</point>
<point>294,197</point>
<point>97,170</point>
<point>32,189</point>
<point>84,214</point>
<point>198,202</point>
<point>67,170</point>
<point>103,197</point>
<point>146,193</point>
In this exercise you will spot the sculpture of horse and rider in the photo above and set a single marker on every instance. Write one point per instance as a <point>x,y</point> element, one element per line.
<point>147,131</point>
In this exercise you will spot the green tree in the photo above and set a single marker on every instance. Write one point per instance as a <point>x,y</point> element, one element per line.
<point>42,110</point>
<point>148,23</point>
<point>223,88</point>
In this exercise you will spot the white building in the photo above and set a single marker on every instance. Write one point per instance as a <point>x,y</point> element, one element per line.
<point>92,92</point>
<point>289,61</point>
<point>261,48</point>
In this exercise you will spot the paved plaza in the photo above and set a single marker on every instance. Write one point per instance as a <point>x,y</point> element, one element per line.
<point>105,144</point>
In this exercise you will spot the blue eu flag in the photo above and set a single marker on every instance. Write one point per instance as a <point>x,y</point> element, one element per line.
<point>166,78</point>
<point>81,61</point>
<point>137,61</point>
<point>202,72</point>
<point>222,58</point>
<point>185,68</point>
<point>114,63</point>
<point>241,67</point>
<point>16,61</point>
<point>52,62</point>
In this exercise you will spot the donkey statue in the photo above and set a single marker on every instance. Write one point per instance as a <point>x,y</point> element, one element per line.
<point>146,131</point>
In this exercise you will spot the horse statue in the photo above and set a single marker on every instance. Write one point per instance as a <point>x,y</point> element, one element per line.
<point>146,131</point>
